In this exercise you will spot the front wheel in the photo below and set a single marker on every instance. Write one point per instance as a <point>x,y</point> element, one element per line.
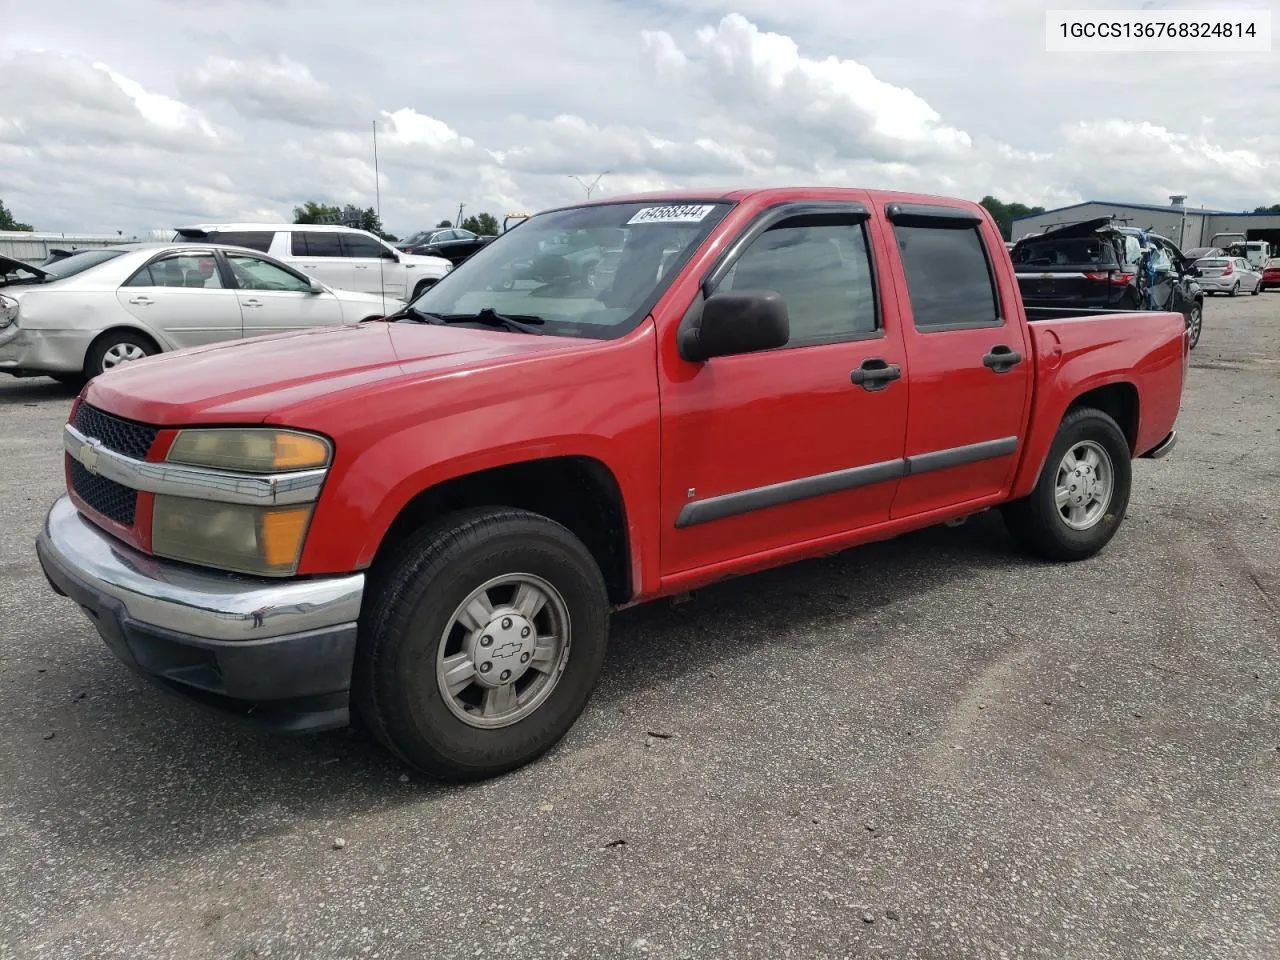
<point>481,643</point>
<point>421,288</point>
<point>1257,289</point>
<point>1083,490</point>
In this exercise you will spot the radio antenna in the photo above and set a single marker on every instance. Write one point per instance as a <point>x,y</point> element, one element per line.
<point>377,209</point>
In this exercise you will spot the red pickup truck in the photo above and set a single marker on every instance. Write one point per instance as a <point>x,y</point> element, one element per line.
<point>426,520</point>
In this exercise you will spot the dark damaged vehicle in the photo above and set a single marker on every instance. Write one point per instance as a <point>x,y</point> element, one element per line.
<point>1101,266</point>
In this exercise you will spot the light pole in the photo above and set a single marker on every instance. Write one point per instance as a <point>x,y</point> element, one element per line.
<point>594,183</point>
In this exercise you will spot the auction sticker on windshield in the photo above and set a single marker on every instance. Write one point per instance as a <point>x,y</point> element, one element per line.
<point>679,213</point>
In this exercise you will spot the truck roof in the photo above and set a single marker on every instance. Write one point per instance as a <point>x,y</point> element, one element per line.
<point>782,194</point>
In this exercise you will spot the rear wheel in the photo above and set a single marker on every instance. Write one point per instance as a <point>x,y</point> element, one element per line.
<point>1083,490</point>
<point>481,642</point>
<point>1235,289</point>
<point>114,349</point>
<point>1195,320</point>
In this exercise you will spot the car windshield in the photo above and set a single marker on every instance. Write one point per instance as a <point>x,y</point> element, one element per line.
<point>592,271</point>
<point>78,262</point>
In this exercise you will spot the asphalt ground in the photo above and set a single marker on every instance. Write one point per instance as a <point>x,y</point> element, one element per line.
<point>929,748</point>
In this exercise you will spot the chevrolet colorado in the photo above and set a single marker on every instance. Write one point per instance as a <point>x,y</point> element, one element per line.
<point>425,521</point>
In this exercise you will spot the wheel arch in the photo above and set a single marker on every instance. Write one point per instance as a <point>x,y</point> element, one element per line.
<point>579,492</point>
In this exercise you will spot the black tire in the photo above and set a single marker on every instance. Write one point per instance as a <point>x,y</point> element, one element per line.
<point>1256,290</point>
<point>1195,323</point>
<point>421,288</point>
<point>1035,521</point>
<point>73,380</point>
<point>96,356</point>
<point>413,597</point>
<point>1235,290</point>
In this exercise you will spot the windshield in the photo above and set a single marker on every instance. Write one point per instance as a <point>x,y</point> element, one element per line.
<point>1066,250</point>
<point>591,272</point>
<point>77,262</point>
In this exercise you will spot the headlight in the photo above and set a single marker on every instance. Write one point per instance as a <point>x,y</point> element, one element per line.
<point>8,310</point>
<point>257,540</point>
<point>250,451</point>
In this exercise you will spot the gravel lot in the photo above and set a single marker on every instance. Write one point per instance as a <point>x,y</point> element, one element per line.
<point>928,748</point>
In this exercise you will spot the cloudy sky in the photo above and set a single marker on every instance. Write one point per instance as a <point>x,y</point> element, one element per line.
<point>142,114</point>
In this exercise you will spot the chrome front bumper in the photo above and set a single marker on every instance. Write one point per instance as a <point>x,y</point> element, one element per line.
<point>277,651</point>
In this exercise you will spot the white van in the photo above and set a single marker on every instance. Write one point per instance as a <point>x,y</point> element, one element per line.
<point>342,257</point>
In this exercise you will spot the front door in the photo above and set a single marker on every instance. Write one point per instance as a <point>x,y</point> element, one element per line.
<point>318,253</point>
<point>275,300</point>
<point>371,271</point>
<point>182,297</point>
<point>766,450</point>
<point>971,365</point>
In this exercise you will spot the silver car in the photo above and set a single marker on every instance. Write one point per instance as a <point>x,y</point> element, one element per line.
<point>1229,275</point>
<point>94,310</point>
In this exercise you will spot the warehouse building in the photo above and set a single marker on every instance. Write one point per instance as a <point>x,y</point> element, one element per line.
<point>1186,226</point>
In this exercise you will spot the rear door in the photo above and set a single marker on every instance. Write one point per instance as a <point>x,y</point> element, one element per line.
<point>275,300</point>
<point>318,253</point>
<point>371,271</point>
<point>970,363</point>
<point>183,297</point>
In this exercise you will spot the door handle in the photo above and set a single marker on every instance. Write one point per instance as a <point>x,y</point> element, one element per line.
<point>250,303</point>
<point>1002,359</point>
<point>875,374</point>
<point>142,301</point>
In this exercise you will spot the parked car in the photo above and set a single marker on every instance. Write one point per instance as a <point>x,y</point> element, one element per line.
<point>149,298</point>
<point>428,520</point>
<point>1228,275</point>
<point>1097,265</point>
<point>1200,253</point>
<point>339,256</point>
<point>1270,275</point>
<point>455,245</point>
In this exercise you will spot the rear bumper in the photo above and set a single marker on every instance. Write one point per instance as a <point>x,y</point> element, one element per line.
<point>278,653</point>
<point>1163,448</point>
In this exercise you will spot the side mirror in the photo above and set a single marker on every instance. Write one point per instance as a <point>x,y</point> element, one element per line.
<point>316,286</point>
<point>734,322</point>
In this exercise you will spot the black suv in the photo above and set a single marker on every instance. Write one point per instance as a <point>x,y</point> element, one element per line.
<point>1098,266</point>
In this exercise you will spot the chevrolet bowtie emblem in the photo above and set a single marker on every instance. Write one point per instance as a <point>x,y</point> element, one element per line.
<point>89,456</point>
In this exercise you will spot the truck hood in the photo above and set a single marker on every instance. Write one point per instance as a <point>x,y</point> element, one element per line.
<point>249,380</point>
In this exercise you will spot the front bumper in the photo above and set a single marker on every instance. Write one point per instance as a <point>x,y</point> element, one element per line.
<point>278,653</point>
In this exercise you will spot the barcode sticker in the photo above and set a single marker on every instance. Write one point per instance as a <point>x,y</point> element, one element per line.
<point>678,213</point>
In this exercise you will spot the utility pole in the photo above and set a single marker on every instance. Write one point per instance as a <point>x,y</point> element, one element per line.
<point>460,208</point>
<point>590,188</point>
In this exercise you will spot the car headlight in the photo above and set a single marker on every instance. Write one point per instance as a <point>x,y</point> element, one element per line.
<point>8,310</point>
<point>250,451</point>
<point>230,536</point>
<point>245,538</point>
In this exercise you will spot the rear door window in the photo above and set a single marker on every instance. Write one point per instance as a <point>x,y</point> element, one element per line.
<point>949,279</point>
<point>316,244</point>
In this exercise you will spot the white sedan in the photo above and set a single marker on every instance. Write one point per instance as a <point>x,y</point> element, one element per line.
<point>139,299</point>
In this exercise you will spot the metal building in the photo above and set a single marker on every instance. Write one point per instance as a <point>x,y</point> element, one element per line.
<point>1186,226</point>
<point>34,247</point>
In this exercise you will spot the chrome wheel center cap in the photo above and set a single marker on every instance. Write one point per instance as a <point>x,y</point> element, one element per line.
<point>1082,485</point>
<point>503,650</point>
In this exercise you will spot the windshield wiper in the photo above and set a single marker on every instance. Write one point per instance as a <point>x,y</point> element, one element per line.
<point>519,323</point>
<point>412,313</point>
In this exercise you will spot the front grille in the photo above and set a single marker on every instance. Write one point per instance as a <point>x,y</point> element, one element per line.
<point>113,500</point>
<point>122,436</point>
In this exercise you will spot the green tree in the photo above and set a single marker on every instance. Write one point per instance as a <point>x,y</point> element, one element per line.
<point>8,223</point>
<point>444,223</point>
<point>1274,208</point>
<point>485,224</point>
<point>1006,213</point>
<point>366,219</point>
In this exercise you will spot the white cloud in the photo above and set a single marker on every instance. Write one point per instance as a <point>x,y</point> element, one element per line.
<point>107,129</point>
